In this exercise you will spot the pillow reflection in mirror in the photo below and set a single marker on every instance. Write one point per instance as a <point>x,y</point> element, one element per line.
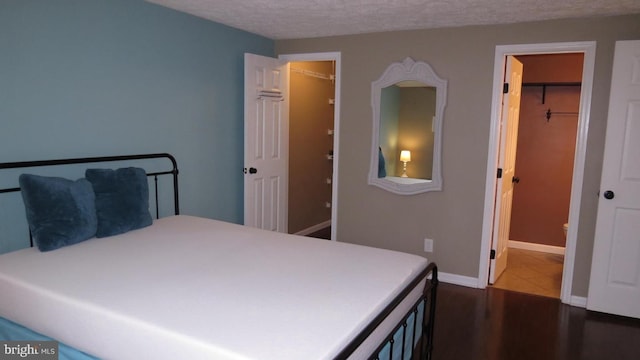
<point>382,171</point>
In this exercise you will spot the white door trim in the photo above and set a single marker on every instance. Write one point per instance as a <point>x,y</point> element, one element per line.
<point>328,56</point>
<point>588,48</point>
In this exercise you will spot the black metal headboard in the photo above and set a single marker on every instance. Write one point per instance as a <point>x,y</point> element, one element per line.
<point>89,160</point>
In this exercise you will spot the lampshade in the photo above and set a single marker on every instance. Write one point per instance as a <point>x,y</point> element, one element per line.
<point>405,155</point>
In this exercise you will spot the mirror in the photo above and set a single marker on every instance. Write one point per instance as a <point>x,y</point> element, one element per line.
<point>408,103</point>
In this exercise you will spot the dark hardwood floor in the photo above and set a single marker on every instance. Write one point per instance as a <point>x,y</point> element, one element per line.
<point>500,324</point>
<point>324,233</point>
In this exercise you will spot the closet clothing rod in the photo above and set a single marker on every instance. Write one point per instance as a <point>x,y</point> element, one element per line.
<point>549,113</point>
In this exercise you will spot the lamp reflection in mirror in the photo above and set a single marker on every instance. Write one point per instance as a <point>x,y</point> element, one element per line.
<point>405,157</point>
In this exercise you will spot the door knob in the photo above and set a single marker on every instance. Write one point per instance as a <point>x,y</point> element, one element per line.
<point>609,194</point>
<point>253,170</point>
<point>515,179</point>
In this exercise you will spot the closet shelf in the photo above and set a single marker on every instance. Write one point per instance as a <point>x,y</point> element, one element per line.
<point>544,86</point>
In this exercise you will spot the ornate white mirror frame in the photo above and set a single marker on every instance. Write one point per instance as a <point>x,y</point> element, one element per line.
<point>408,70</point>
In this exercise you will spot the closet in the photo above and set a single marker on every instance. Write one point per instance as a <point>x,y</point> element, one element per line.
<point>546,147</point>
<point>311,129</point>
<point>544,168</point>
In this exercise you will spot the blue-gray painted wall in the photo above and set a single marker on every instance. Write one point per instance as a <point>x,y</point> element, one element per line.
<point>104,77</point>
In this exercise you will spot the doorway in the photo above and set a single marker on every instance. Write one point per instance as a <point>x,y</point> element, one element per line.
<point>550,98</point>
<point>313,139</point>
<point>311,126</point>
<point>587,50</point>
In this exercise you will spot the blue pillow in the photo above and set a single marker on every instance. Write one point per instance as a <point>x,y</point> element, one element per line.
<point>122,199</point>
<point>382,170</point>
<point>60,212</point>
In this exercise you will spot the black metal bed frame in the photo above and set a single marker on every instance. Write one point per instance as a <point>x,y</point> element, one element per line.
<point>101,159</point>
<point>424,346</point>
<point>429,275</point>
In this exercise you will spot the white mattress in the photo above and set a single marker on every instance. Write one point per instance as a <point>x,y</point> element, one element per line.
<point>193,288</point>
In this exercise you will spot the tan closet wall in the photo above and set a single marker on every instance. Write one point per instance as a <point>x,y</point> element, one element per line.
<point>545,152</point>
<point>310,119</point>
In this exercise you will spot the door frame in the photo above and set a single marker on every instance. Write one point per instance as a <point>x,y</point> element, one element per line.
<point>328,56</point>
<point>588,49</point>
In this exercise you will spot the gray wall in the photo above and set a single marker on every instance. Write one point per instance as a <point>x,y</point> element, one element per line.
<point>464,56</point>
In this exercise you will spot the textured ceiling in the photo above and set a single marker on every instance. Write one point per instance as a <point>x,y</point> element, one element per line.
<point>292,19</point>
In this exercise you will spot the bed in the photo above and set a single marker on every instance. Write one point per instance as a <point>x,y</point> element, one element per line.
<point>189,287</point>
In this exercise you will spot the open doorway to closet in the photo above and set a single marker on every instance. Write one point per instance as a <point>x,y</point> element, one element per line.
<point>492,210</point>
<point>311,147</point>
<point>267,149</point>
<point>547,131</point>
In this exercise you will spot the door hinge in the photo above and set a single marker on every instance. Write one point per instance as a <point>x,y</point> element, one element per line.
<point>499,173</point>
<point>505,88</point>
<point>492,255</point>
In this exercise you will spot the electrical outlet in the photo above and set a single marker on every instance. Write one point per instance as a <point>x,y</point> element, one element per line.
<point>428,245</point>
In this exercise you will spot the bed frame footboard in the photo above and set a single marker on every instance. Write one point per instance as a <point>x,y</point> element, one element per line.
<point>415,328</point>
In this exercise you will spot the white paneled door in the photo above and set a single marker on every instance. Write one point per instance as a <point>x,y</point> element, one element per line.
<point>615,269</point>
<point>509,122</point>
<point>266,143</point>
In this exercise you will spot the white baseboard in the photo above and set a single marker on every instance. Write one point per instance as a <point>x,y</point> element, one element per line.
<point>314,228</point>
<point>458,279</point>
<point>578,301</point>
<point>536,247</point>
